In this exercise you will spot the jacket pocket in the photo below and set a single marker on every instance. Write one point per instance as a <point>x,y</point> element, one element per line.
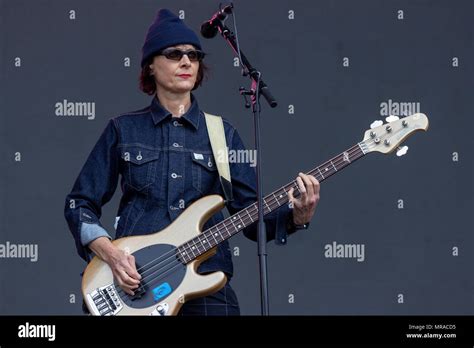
<point>205,173</point>
<point>140,166</point>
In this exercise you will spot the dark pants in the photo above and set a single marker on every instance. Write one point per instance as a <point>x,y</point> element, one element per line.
<point>222,303</point>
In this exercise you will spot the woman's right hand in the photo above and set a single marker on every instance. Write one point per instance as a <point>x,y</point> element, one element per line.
<point>121,263</point>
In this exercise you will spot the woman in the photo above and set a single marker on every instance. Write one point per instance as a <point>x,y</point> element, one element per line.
<point>164,158</point>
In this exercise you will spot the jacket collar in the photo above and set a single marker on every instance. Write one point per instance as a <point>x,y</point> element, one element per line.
<point>159,113</point>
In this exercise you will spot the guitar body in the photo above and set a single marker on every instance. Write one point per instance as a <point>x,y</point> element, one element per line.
<point>179,282</point>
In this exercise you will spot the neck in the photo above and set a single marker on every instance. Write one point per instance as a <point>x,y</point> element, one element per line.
<point>177,104</point>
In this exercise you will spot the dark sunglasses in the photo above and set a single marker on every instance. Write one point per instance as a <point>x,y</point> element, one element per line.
<point>176,54</point>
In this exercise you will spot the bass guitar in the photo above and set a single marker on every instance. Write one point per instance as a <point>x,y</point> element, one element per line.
<point>167,260</point>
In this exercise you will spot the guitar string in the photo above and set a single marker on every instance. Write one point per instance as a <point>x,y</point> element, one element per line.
<point>251,208</point>
<point>244,220</point>
<point>351,152</point>
<point>292,184</point>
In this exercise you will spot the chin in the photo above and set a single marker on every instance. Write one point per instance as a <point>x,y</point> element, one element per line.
<point>184,87</point>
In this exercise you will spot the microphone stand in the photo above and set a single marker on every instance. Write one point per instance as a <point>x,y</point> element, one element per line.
<point>258,88</point>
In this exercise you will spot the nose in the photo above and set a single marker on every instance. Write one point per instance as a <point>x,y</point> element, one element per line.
<point>185,60</point>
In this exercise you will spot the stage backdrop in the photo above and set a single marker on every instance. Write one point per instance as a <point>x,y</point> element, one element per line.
<point>391,235</point>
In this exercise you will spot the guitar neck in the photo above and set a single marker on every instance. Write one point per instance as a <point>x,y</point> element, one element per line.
<point>237,222</point>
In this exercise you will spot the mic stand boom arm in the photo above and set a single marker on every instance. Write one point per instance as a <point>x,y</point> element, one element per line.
<point>248,69</point>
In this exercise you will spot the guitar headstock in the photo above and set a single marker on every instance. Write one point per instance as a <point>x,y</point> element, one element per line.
<point>387,137</point>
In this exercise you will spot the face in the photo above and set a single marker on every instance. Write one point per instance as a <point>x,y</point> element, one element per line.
<point>175,76</point>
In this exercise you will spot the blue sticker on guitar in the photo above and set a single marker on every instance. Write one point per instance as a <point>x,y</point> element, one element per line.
<point>161,291</point>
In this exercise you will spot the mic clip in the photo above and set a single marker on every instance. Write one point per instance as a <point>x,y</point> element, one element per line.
<point>244,93</point>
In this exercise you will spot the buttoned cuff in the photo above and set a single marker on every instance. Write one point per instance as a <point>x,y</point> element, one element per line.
<point>281,228</point>
<point>90,232</point>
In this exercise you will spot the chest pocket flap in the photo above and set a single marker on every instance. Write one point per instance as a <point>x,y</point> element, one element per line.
<point>140,169</point>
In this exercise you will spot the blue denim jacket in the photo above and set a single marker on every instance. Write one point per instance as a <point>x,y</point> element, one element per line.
<point>164,164</point>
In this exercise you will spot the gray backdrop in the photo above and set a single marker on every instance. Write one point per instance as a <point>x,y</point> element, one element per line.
<point>332,65</point>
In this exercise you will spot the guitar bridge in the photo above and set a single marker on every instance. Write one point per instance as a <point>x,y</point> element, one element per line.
<point>104,301</point>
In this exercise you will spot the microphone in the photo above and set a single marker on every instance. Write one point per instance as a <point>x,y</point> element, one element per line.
<point>209,28</point>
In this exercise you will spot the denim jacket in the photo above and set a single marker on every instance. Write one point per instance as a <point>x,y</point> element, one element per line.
<point>164,164</point>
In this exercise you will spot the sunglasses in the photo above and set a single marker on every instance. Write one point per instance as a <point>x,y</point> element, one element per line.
<point>176,54</point>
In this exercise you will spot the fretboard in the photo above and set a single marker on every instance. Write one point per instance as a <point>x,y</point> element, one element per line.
<point>227,228</point>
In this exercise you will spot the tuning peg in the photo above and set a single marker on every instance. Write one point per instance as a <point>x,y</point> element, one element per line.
<point>402,150</point>
<point>375,124</point>
<point>392,118</point>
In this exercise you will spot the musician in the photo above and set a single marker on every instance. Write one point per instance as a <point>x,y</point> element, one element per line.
<point>163,157</point>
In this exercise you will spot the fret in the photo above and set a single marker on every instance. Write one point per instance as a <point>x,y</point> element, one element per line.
<point>276,198</point>
<point>239,226</point>
<point>191,248</point>
<point>212,234</point>
<point>183,254</point>
<point>273,200</point>
<point>203,242</point>
<point>253,209</point>
<point>269,210</point>
<point>334,166</point>
<point>346,157</point>
<point>194,246</point>
<point>250,216</point>
<point>218,234</point>
<point>232,220</point>
<point>210,240</point>
<point>320,173</point>
<point>227,230</point>
<point>196,240</point>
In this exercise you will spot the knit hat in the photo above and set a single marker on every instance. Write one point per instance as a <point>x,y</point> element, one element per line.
<point>167,30</point>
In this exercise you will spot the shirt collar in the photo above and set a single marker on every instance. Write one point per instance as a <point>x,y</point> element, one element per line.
<point>159,113</point>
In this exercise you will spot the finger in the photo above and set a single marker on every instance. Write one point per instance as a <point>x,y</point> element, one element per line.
<point>316,184</point>
<point>301,187</point>
<point>122,285</point>
<point>133,268</point>
<point>127,280</point>
<point>291,198</point>
<point>308,184</point>
<point>316,188</point>
<point>129,267</point>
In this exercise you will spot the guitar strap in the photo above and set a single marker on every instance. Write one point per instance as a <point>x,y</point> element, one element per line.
<point>215,128</point>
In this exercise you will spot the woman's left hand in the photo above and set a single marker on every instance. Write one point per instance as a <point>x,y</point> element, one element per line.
<point>305,205</point>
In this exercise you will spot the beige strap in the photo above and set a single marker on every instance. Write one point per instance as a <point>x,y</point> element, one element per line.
<point>215,128</point>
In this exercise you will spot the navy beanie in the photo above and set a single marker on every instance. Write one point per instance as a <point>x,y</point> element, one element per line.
<point>167,30</point>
